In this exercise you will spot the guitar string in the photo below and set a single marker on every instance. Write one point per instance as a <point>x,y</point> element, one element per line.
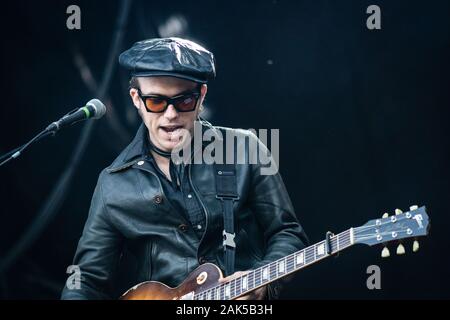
<point>234,284</point>
<point>357,230</point>
<point>307,256</point>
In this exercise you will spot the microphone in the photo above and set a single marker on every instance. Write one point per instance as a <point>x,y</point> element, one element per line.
<point>94,109</point>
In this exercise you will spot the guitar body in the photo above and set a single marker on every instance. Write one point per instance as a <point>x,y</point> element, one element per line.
<point>205,276</point>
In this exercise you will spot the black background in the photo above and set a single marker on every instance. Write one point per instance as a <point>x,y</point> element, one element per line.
<point>363,118</point>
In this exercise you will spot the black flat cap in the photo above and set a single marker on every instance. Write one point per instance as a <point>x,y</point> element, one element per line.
<point>174,57</point>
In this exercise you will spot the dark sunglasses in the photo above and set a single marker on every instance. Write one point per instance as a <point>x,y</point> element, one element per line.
<point>185,102</point>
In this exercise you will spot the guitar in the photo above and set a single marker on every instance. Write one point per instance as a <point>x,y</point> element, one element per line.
<point>203,283</point>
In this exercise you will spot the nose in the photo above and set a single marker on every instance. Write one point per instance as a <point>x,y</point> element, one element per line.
<point>171,112</point>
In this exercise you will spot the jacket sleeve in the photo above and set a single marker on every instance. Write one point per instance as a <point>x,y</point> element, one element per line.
<point>97,254</point>
<point>270,202</point>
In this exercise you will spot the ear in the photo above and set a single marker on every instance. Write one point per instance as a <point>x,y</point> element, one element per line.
<point>203,91</point>
<point>135,97</point>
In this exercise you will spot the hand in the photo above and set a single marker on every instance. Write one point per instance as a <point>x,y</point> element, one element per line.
<point>258,294</point>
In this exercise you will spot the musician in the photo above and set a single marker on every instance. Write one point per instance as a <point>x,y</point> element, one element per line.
<point>166,217</point>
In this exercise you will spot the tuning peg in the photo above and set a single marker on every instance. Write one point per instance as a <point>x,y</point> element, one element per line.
<point>398,211</point>
<point>400,249</point>
<point>385,215</point>
<point>385,253</point>
<point>415,246</point>
<point>414,207</point>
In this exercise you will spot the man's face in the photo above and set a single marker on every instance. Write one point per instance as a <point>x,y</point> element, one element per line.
<point>167,128</point>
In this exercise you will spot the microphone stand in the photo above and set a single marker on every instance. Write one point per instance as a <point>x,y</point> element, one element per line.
<point>14,154</point>
<point>50,130</point>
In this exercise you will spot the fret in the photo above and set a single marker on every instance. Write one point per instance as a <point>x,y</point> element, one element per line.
<point>341,241</point>
<point>321,248</point>
<point>272,271</point>
<point>239,286</point>
<point>300,258</point>
<point>345,239</point>
<point>315,250</point>
<point>309,255</point>
<point>230,285</point>
<point>251,280</point>
<point>281,266</point>
<point>244,282</point>
<point>290,265</point>
<point>217,293</point>
<point>258,277</point>
<point>265,273</point>
<point>211,294</point>
<point>238,289</point>
<point>227,290</point>
<point>222,292</point>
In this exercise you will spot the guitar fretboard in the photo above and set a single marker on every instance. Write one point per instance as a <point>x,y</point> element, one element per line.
<point>277,269</point>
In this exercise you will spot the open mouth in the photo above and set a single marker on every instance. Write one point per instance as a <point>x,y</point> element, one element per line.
<point>171,128</point>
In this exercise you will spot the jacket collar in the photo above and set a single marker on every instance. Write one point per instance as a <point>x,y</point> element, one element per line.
<point>139,147</point>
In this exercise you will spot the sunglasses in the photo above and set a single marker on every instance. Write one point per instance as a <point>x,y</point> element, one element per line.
<point>185,102</point>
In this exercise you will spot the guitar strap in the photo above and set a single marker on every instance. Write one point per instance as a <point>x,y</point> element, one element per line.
<point>226,191</point>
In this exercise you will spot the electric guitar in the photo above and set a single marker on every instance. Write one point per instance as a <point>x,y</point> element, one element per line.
<point>203,283</point>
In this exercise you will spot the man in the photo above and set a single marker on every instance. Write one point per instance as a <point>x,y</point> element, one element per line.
<point>168,217</point>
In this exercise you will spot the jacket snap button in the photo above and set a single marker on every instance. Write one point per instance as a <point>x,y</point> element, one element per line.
<point>203,260</point>
<point>157,199</point>
<point>140,163</point>
<point>183,227</point>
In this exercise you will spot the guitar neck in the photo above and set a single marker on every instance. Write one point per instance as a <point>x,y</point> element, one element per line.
<point>278,269</point>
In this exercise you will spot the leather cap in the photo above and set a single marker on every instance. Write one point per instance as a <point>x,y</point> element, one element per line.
<point>175,57</point>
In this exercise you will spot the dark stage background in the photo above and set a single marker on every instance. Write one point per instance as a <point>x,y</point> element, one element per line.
<point>363,118</point>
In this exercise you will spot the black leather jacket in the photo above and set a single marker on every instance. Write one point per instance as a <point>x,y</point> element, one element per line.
<point>132,233</point>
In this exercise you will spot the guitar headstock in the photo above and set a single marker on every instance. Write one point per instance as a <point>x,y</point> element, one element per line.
<point>402,225</point>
